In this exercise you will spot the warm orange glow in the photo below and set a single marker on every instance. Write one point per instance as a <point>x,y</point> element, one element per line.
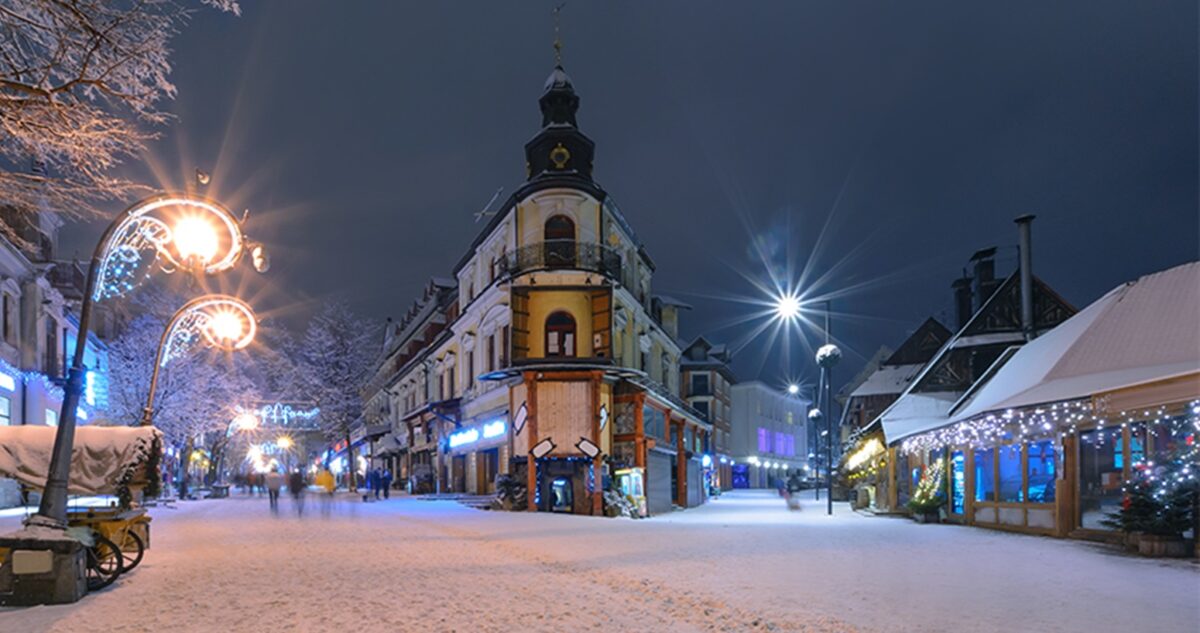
<point>196,238</point>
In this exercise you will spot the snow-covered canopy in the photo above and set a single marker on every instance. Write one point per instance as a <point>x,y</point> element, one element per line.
<point>917,412</point>
<point>100,456</point>
<point>887,380</point>
<point>1142,331</point>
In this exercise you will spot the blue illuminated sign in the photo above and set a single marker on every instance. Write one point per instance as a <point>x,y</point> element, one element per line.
<point>493,429</point>
<point>463,437</point>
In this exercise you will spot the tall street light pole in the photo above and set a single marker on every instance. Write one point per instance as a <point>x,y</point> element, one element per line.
<point>188,238</point>
<point>223,321</point>
<point>828,356</point>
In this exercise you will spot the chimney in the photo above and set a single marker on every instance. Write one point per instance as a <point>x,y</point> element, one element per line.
<point>985,275</point>
<point>962,299</point>
<point>1025,227</point>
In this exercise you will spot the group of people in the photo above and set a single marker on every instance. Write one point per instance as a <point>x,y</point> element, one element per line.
<point>379,480</point>
<point>296,484</point>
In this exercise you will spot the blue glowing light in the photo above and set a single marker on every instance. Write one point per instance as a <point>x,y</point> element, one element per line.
<point>463,437</point>
<point>7,382</point>
<point>493,429</point>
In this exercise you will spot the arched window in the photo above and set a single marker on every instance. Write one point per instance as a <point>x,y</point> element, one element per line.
<point>560,241</point>
<point>560,334</point>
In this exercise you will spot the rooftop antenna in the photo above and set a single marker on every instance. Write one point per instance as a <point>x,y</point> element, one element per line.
<point>558,45</point>
<point>482,213</point>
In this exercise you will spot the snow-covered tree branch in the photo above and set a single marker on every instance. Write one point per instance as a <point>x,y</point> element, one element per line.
<point>80,84</point>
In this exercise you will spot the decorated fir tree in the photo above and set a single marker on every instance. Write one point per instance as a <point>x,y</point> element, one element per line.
<point>1161,497</point>
<point>929,496</point>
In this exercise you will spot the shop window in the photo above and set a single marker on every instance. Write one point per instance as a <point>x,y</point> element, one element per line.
<point>560,334</point>
<point>904,483</point>
<point>958,482</point>
<point>1042,471</point>
<point>985,474</point>
<point>5,411</point>
<point>1100,477</point>
<point>764,440</point>
<point>1010,474</point>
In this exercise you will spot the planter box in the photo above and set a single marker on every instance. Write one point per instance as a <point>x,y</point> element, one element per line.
<point>927,517</point>
<point>1158,546</point>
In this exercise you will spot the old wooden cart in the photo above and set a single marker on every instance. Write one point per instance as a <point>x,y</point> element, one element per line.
<point>106,460</point>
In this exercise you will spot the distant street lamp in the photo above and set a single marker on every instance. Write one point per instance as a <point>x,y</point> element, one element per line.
<point>793,389</point>
<point>221,320</point>
<point>172,230</point>
<point>789,307</point>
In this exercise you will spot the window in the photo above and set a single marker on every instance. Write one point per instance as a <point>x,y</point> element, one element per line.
<point>702,407</point>
<point>985,474</point>
<point>958,486</point>
<point>8,317</point>
<point>560,334</point>
<point>504,346</point>
<point>1011,489</point>
<point>470,368</point>
<point>764,440</point>
<point>780,444</point>
<point>1041,471</point>
<point>664,369</point>
<point>51,417</point>
<point>560,242</point>
<point>51,351</point>
<point>491,352</point>
<point>5,411</point>
<point>700,385</point>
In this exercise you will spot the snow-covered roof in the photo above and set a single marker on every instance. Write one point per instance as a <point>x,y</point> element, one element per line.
<point>888,379</point>
<point>916,413</point>
<point>1142,331</point>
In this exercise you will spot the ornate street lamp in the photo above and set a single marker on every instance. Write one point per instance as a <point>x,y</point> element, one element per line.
<point>172,231</point>
<point>219,320</point>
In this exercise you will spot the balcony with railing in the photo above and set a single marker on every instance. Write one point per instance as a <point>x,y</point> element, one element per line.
<point>565,255</point>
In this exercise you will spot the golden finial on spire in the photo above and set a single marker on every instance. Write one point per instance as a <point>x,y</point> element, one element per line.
<point>558,45</point>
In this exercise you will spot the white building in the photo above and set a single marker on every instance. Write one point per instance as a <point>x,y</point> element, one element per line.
<point>769,434</point>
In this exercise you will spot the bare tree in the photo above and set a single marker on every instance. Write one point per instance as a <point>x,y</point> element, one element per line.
<point>80,84</point>
<point>338,350</point>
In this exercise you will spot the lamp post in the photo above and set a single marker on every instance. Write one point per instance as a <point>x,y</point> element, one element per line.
<point>221,320</point>
<point>172,230</point>
<point>789,307</point>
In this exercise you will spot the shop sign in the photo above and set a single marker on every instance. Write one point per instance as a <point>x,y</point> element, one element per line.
<point>492,429</point>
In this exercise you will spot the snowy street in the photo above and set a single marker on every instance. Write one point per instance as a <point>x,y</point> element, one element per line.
<point>742,562</point>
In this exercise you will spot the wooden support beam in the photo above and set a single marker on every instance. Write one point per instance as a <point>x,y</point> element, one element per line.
<point>531,426</point>
<point>639,430</point>
<point>680,464</point>
<point>597,472</point>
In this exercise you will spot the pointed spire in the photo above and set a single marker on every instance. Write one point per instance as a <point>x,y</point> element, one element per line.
<point>558,45</point>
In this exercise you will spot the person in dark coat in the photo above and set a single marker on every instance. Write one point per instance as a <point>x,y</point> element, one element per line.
<point>386,481</point>
<point>296,486</point>
<point>375,480</point>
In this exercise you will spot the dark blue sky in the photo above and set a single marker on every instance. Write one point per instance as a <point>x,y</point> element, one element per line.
<point>364,135</point>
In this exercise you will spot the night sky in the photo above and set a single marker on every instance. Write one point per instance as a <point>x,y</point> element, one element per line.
<point>365,135</point>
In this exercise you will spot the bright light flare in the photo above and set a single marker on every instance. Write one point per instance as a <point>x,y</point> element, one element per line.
<point>787,307</point>
<point>226,326</point>
<point>284,442</point>
<point>196,239</point>
<point>245,422</point>
<point>793,389</point>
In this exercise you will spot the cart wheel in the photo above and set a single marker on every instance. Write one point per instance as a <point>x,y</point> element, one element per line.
<point>104,563</point>
<point>132,551</point>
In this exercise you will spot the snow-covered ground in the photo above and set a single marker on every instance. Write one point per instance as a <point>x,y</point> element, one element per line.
<point>742,562</point>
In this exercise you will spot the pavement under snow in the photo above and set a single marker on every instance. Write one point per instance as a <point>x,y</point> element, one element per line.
<point>742,562</point>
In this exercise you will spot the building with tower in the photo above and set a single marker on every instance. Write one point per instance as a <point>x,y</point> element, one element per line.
<point>555,362</point>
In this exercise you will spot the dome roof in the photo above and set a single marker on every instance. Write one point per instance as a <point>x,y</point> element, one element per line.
<point>558,80</point>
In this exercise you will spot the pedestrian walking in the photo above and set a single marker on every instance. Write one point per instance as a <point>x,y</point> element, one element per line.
<point>375,481</point>
<point>296,486</point>
<point>386,481</point>
<point>274,483</point>
<point>325,482</point>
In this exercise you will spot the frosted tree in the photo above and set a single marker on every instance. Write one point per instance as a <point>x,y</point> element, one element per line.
<point>80,87</point>
<point>197,392</point>
<point>338,350</point>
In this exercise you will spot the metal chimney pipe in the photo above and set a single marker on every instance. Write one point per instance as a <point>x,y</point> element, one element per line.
<point>1025,227</point>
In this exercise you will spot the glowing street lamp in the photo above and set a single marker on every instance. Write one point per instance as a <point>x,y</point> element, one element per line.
<point>172,230</point>
<point>793,389</point>
<point>222,321</point>
<point>787,307</point>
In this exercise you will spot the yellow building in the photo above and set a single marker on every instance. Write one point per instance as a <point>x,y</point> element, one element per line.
<point>556,353</point>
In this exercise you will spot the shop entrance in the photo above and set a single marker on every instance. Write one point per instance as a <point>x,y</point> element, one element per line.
<point>458,473</point>
<point>487,466</point>
<point>1101,471</point>
<point>562,498</point>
